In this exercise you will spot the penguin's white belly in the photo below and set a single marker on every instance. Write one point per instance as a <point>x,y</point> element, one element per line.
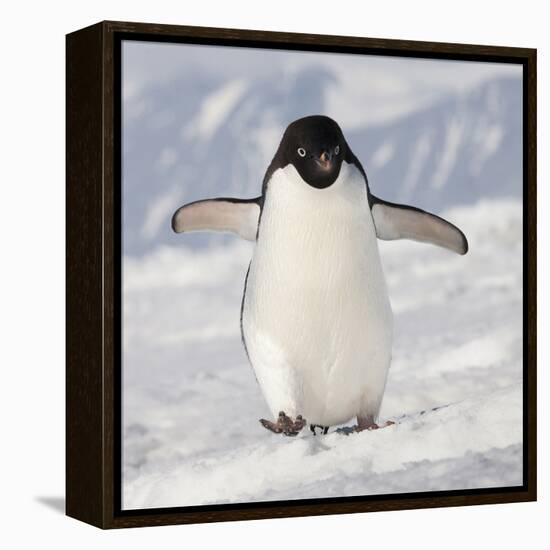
<point>316,319</point>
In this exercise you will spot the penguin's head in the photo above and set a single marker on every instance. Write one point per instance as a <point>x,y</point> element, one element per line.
<point>316,147</point>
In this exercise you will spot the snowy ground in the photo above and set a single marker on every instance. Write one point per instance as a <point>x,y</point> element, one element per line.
<point>191,403</point>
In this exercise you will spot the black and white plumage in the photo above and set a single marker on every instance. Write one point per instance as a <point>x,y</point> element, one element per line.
<point>316,318</point>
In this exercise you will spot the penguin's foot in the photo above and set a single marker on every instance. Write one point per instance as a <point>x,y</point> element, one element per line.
<point>373,426</point>
<point>370,425</point>
<point>284,424</point>
<point>347,430</point>
<point>313,427</point>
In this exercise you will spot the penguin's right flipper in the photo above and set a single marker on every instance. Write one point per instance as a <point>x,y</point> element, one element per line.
<point>399,221</point>
<point>224,214</point>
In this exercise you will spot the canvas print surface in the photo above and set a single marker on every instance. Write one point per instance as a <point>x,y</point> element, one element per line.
<point>389,336</point>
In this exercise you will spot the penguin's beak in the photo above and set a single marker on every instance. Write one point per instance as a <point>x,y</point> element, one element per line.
<point>325,161</point>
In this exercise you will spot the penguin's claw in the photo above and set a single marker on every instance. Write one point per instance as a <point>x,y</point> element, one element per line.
<point>313,427</point>
<point>373,426</point>
<point>355,429</point>
<point>284,424</point>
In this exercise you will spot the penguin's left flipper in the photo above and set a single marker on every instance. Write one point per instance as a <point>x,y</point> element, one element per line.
<point>223,214</point>
<point>284,424</point>
<point>398,221</point>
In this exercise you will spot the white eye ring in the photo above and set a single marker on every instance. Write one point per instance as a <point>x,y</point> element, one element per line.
<point>336,149</point>
<point>301,152</point>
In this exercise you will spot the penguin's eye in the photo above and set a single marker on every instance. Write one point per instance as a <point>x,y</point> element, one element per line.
<point>337,150</point>
<point>301,152</point>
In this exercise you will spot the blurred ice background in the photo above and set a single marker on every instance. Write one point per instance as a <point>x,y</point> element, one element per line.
<point>204,121</point>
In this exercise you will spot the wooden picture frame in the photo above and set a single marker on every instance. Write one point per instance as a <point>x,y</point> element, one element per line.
<point>93,378</point>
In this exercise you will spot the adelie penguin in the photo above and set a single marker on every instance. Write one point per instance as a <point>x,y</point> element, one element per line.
<point>316,319</point>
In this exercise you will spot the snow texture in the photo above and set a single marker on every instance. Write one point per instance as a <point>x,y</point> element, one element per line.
<point>191,403</point>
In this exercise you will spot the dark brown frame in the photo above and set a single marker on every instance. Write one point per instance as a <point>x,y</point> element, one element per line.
<point>93,274</point>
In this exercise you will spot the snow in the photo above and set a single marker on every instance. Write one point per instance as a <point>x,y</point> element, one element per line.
<point>383,154</point>
<point>487,139</point>
<point>215,108</point>
<point>371,89</point>
<point>417,140</point>
<point>418,157</point>
<point>191,403</point>
<point>168,157</point>
<point>453,140</point>
<point>418,454</point>
<point>157,212</point>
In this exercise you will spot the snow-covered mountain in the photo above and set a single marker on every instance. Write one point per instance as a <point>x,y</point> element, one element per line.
<point>461,149</point>
<point>191,140</point>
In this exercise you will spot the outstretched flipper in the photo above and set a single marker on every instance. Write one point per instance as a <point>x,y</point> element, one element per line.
<point>229,215</point>
<point>398,221</point>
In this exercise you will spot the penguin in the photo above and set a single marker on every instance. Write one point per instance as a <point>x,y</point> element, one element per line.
<point>316,320</point>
